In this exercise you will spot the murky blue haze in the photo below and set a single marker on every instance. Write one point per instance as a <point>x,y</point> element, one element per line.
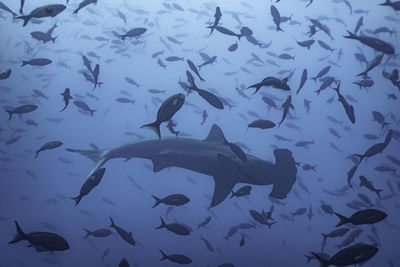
<point>36,192</point>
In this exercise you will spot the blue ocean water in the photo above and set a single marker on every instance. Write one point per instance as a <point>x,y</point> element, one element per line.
<point>135,77</point>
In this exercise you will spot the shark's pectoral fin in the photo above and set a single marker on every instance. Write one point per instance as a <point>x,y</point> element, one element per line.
<point>224,179</point>
<point>161,161</point>
<point>286,173</point>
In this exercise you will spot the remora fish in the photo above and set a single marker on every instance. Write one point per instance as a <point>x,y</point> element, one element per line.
<point>210,157</point>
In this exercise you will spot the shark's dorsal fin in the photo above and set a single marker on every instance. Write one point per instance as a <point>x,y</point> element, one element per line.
<point>215,135</point>
<point>224,179</point>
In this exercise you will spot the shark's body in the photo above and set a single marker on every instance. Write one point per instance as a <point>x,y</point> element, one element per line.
<point>210,157</point>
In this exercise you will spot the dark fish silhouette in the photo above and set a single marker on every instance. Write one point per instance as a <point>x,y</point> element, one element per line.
<point>136,32</point>
<point>82,105</point>
<point>276,17</point>
<point>171,200</point>
<point>43,12</point>
<point>48,146</point>
<point>41,241</point>
<point>368,216</point>
<point>83,4</point>
<point>91,182</point>
<point>104,232</point>
<point>177,258</point>
<point>373,42</point>
<point>37,62</point>
<point>212,99</point>
<point>21,110</point>
<point>349,109</point>
<point>123,233</point>
<point>217,17</point>
<point>352,255</point>
<point>167,110</point>
<point>5,75</point>
<point>176,228</point>
<point>66,96</point>
<point>243,191</point>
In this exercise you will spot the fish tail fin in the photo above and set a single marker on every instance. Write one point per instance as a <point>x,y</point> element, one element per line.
<point>10,113</point>
<point>92,111</point>
<point>54,39</point>
<point>361,157</point>
<point>384,124</point>
<point>343,219</point>
<point>378,192</point>
<point>278,28</point>
<point>155,126</point>
<point>164,256</point>
<point>233,194</point>
<point>158,201</point>
<point>123,37</point>
<point>37,153</point>
<point>309,258</point>
<point>25,18</point>
<point>24,63</point>
<point>323,262</point>
<point>88,233</point>
<point>350,36</point>
<point>112,222</point>
<point>163,224</point>
<point>324,241</point>
<point>77,199</point>
<point>19,236</point>
<point>64,108</point>
<point>212,29</point>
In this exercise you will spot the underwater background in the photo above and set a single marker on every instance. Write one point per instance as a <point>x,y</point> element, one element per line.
<point>36,192</point>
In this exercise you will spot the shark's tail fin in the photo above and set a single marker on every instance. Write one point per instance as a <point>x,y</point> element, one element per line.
<point>94,155</point>
<point>19,236</point>
<point>287,170</point>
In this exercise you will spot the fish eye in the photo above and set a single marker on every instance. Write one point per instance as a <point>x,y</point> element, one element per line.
<point>175,102</point>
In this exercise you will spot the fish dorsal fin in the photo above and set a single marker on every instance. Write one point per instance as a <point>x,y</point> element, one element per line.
<point>215,135</point>
<point>224,179</point>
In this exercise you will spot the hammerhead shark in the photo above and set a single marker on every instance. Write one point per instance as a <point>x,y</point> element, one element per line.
<point>209,156</point>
